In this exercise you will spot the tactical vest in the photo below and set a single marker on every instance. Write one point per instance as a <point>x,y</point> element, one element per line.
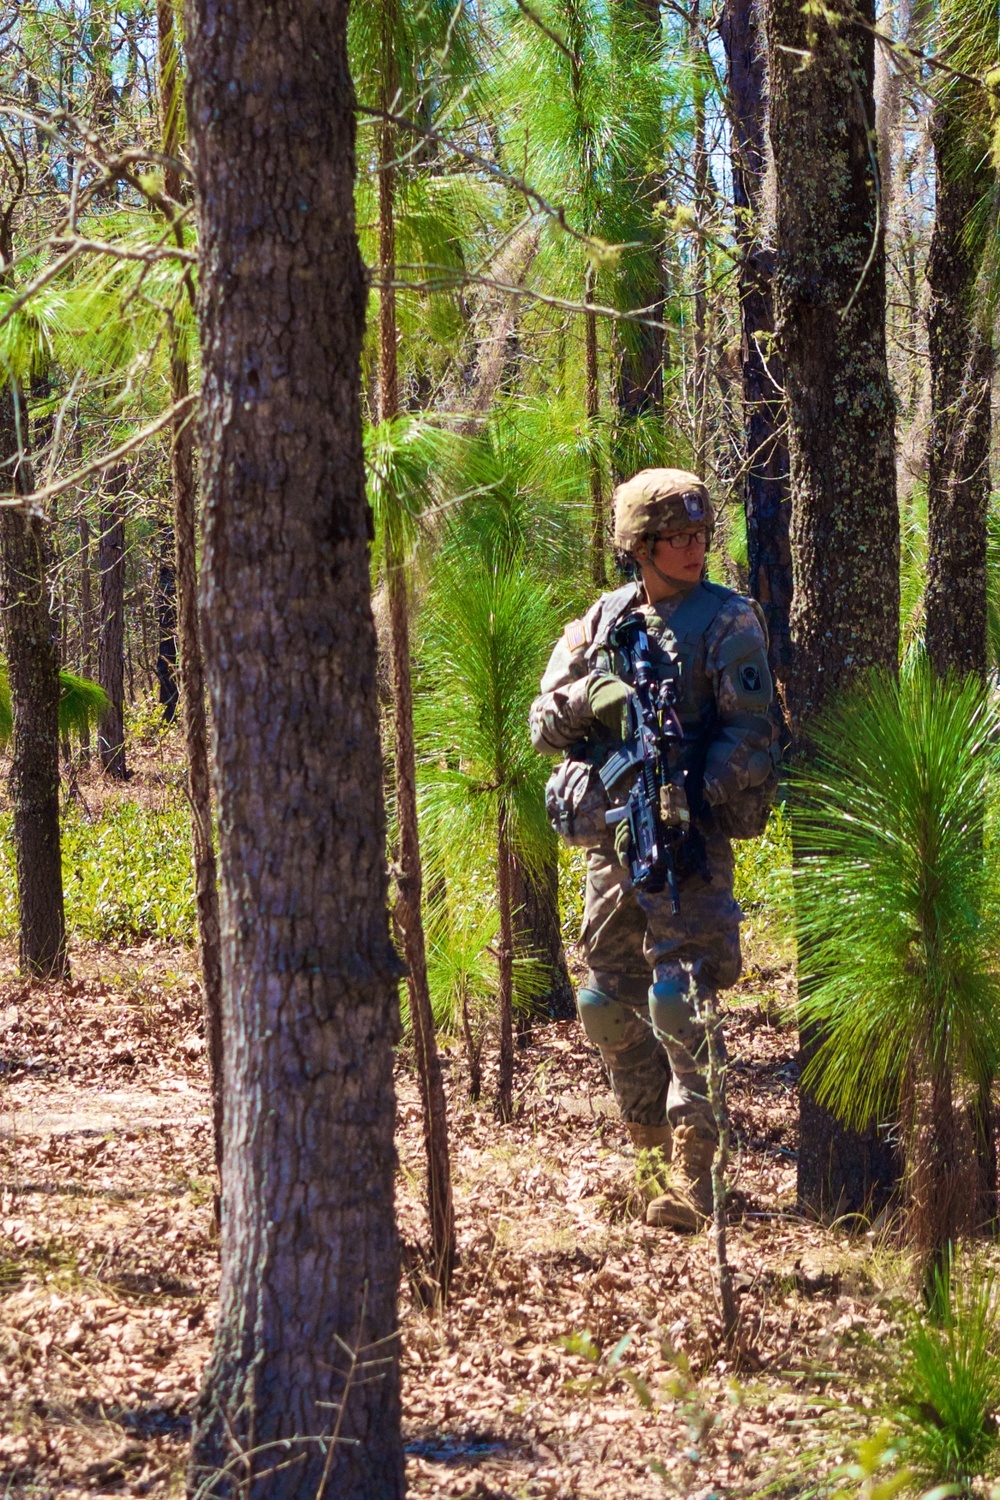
<point>574,796</point>
<point>677,647</point>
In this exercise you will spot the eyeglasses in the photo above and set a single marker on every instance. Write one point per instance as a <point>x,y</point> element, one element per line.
<point>681,540</point>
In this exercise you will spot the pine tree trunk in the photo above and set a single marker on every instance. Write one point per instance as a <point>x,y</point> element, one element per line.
<point>310,1260</point>
<point>409,918</point>
<point>191,660</point>
<point>166,620</point>
<point>961,366</point>
<point>640,357</point>
<point>409,913</point>
<point>538,934</point>
<point>960,346</point>
<point>196,741</point>
<point>111,642</point>
<point>829,290</point>
<point>699,169</point>
<point>765,494</point>
<point>598,571</point>
<point>504,1105</point>
<point>30,643</point>
<point>86,625</point>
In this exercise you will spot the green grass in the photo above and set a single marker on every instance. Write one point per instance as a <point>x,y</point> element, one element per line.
<point>127,876</point>
<point>949,1390</point>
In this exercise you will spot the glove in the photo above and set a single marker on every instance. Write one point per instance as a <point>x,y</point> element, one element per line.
<point>623,843</point>
<point>607,696</point>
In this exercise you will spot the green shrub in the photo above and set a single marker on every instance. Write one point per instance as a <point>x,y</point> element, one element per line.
<point>949,1390</point>
<point>763,877</point>
<point>126,875</point>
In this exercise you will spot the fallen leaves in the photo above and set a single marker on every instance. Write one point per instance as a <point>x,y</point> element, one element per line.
<point>579,1356</point>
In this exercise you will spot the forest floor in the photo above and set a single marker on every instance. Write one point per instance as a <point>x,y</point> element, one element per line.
<point>580,1355</point>
<point>522,1388</point>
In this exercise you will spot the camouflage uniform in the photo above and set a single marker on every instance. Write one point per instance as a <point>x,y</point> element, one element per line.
<point>652,1037</point>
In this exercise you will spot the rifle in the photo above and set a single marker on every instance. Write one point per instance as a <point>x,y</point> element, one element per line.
<point>658,817</point>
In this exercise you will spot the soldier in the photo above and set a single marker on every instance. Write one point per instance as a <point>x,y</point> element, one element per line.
<point>712,641</point>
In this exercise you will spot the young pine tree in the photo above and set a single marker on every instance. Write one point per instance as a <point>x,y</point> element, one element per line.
<point>899,928</point>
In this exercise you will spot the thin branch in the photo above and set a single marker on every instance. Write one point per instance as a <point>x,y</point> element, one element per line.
<point>507,178</point>
<point>451,278</point>
<point>556,40</point>
<point>148,253</point>
<point>35,501</point>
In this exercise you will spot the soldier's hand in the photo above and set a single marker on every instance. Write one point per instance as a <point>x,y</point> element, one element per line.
<point>623,843</point>
<point>608,696</point>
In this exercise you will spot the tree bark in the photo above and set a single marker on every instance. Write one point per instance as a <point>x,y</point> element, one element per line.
<point>961,366</point>
<point>30,641</point>
<point>185,506</point>
<point>410,877</point>
<point>960,346</point>
<point>166,620</point>
<point>699,168</point>
<point>829,291</point>
<point>598,570</point>
<point>310,1260</point>
<point>86,626</point>
<point>538,934</point>
<point>504,1105</point>
<point>111,642</point>
<point>409,917</point>
<point>640,351</point>
<point>206,881</point>
<point>765,491</point>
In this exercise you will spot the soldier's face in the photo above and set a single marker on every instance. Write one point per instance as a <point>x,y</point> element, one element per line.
<point>680,563</point>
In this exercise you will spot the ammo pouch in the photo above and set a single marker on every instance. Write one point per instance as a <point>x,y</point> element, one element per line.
<point>576,802</point>
<point>745,815</point>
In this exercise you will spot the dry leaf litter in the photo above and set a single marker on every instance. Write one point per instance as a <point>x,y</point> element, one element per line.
<point>580,1355</point>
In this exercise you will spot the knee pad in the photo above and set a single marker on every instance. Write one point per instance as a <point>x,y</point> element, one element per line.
<point>603,1018</point>
<point>673,1015</point>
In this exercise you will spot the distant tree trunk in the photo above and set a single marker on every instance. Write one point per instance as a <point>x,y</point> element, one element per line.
<point>111,642</point>
<point>960,346</point>
<point>984,1134</point>
<point>538,934</point>
<point>700,175</point>
<point>310,1260</point>
<point>598,571</point>
<point>409,883</point>
<point>961,365</point>
<point>166,619</point>
<point>86,625</point>
<point>504,1104</point>
<point>186,612</point>
<point>640,352</point>
<point>765,492</point>
<point>830,311</point>
<point>30,642</point>
<point>196,740</point>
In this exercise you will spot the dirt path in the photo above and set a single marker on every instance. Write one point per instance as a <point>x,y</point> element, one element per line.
<point>580,1356</point>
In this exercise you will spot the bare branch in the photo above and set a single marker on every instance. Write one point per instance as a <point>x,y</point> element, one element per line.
<point>557,41</point>
<point>35,501</point>
<point>597,246</point>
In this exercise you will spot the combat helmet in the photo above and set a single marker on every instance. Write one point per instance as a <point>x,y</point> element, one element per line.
<point>656,500</point>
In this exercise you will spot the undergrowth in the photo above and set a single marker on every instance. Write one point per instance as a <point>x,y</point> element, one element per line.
<point>127,875</point>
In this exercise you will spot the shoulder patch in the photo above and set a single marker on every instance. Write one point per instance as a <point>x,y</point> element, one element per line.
<point>578,633</point>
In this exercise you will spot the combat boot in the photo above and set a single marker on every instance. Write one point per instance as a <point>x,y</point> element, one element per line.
<point>687,1206</point>
<point>650,1138</point>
